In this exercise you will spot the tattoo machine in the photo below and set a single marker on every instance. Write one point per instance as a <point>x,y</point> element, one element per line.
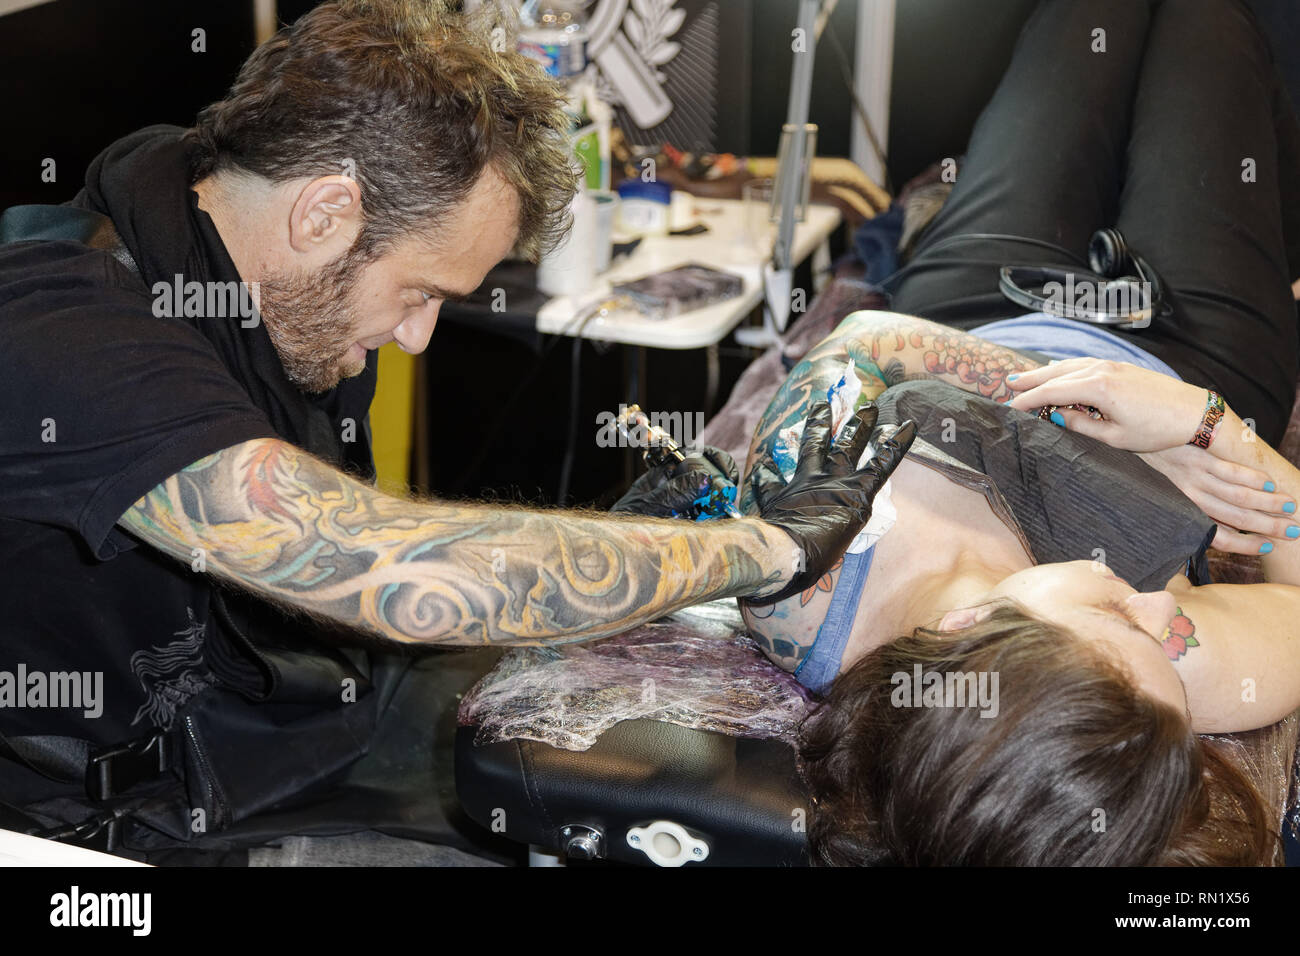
<point>717,500</point>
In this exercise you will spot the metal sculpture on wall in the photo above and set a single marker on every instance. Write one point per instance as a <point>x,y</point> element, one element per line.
<point>627,47</point>
<point>656,63</point>
<point>660,69</point>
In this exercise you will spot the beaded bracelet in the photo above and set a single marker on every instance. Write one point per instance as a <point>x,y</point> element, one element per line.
<point>1214,410</point>
<point>1046,411</point>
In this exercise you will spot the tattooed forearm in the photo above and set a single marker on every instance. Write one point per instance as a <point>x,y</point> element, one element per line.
<point>886,348</point>
<point>269,517</point>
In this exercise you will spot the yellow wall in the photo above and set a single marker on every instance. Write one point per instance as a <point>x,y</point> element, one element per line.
<point>391,418</point>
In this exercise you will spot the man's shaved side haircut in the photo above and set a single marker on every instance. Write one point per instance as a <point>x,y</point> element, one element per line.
<point>409,98</point>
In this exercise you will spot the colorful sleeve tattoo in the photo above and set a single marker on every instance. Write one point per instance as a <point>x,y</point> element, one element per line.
<point>272,519</point>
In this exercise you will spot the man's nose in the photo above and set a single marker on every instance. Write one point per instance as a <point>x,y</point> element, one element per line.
<point>414,333</point>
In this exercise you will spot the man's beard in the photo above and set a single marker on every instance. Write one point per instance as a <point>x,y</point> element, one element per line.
<point>312,322</point>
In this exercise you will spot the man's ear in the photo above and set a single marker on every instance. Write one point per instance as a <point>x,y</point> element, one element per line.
<point>323,209</point>
<point>962,617</point>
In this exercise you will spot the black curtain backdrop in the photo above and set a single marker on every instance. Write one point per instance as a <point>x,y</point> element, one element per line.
<point>77,74</point>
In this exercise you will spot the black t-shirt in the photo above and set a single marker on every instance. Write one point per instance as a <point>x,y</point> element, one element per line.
<point>102,401</point>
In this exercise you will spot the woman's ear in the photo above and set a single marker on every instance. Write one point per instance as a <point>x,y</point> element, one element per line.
<point>963,617</point>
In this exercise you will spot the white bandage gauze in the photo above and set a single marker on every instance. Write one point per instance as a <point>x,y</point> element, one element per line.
<point>883,514</point>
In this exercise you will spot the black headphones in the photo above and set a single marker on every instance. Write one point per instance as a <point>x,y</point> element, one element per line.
<point>1128,296</point>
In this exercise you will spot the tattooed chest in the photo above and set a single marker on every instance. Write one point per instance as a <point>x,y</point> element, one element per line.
<point>937,519</point>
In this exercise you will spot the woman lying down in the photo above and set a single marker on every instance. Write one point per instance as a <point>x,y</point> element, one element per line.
<point>1052,571</point>
<point>1021,646</point>
<point>1058,566</point>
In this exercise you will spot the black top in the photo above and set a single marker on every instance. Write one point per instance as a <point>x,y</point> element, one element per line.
<point>103,400</point>
<point>1067,494</point>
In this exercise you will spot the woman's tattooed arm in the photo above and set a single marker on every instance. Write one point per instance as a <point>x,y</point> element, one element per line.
<point>270,518</point>
<point>903,347</point>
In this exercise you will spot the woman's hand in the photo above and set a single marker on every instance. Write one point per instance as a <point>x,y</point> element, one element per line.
<point>1229,493</point>
<point>1142,410</point>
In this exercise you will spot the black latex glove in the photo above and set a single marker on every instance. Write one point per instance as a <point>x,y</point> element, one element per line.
<point>668,491</point>
<point>827,502</point>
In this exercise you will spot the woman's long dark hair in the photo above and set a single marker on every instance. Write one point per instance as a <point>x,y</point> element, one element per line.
<point>1077,767</point>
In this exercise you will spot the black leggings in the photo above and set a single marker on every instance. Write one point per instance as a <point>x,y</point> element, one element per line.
<point>1149,136</point>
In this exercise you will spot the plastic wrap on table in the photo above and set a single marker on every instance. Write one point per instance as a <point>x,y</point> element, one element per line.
<point>696,669</point>
<point>1268,757</point>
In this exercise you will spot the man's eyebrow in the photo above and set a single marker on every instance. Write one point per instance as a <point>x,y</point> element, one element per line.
<point>446,295</point>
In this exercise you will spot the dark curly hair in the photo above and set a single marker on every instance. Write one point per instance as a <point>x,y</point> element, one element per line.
<point>1073,745</point>
<point>411,98</point>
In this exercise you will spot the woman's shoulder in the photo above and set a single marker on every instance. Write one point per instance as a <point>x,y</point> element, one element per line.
<point>787,630</point>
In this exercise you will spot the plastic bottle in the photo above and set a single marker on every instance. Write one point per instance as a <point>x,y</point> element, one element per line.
<point>554,33</point>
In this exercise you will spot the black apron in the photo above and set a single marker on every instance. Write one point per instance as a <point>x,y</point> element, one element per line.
<point>1064,494</point>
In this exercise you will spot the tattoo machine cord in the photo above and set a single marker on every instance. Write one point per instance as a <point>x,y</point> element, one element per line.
<point>503,416</point>
<point>601,308</point>
<point>846,74</point>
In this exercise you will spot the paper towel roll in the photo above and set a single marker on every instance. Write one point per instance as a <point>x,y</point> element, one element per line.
<point>571,268</point>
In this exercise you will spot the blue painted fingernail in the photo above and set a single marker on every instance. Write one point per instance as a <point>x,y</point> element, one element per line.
<point>1058,419</point>
<point>1293,532</point>
<point>1266,547</point>
<point>1012,378</point>
<point>1289,507</point>
<point>1269,486</point>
